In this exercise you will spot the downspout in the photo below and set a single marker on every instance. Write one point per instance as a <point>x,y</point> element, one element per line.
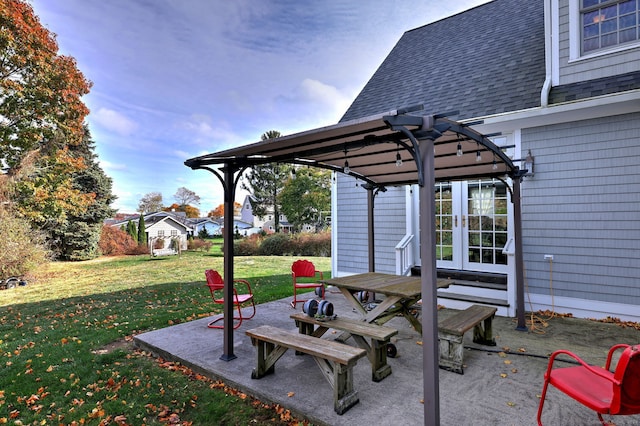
<point>548,51</point>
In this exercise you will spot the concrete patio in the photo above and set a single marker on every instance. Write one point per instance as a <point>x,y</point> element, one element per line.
<point>500,385</point>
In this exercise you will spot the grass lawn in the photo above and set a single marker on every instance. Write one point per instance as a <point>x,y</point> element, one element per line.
<point>65,342</point>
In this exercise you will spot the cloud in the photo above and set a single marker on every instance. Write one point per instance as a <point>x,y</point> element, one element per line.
<point>324,94</point>
<point>114,121</point>
<point>107,165</point>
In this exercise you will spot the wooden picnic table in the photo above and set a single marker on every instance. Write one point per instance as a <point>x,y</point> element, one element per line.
<point>401,293</point>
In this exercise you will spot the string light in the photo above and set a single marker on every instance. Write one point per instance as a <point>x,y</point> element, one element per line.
<point>398,157</point>
<point>478,155</point>
<point>459,151</point>
<point>346,168</point>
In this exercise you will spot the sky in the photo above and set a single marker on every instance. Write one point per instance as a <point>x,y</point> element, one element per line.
<point>175,79</point>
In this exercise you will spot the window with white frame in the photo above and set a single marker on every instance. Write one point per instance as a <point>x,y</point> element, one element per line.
<point>174,232</point>
<point>160,232</point>
<point>608,23</point>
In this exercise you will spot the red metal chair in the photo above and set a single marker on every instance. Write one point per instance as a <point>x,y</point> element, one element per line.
<point>605,392</point>
<point>216,287</point>
<point>304,269</point>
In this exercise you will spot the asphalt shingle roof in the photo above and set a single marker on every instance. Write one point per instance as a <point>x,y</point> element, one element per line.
<point>486,60</point>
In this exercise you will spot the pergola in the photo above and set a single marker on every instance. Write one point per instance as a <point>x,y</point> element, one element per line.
<point>432,148</point>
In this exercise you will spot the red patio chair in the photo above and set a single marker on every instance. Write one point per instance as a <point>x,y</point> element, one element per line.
<point>304,269</point>
<point>216,287</point>
<point>603,391</point>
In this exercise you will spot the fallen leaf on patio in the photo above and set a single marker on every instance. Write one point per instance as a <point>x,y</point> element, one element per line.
<point>511,404</point>
<point>502,354</point>
<point>422,401</point>
<point>514,370</point>
<point>506,348</point>
<point>290,394</point>
<point>522,350</point>
<point>507,361</point>
<point>503,375</point>
<point>419,342</point>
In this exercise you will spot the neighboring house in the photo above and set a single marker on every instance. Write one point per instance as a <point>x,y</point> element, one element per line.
<point>162,228</point>
<point>212,226</point>
<point>267,222</point>
<point>559,80</point>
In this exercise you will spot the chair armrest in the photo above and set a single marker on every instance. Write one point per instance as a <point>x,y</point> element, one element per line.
<point>598,371</point>
<point>612,351</point>
<point>319,272</point>
<point>245,282</point>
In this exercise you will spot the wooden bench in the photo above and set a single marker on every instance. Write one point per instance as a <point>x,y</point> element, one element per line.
<point>336,360</point>
<point>379,336</point>
<point>451,331</point>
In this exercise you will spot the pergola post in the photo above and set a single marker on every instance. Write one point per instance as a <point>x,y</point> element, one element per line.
<point>517,231</point>
<point>430,367</point>
<point>229,184</point>
<point>370,227</point>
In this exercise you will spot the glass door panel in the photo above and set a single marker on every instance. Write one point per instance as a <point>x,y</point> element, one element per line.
<point>486,234</point>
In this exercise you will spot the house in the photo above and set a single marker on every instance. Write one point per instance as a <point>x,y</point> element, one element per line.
<point>213,227</point>
<point>557,84</point>
<point>265,223</point>
<point>164,229</point>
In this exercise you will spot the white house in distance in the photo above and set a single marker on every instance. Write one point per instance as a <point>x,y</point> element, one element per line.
<point>265,223</point>
<point>557,82</point>
<point>162,228</point>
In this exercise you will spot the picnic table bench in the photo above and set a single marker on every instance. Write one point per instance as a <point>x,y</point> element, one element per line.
<point>336,360</point>
<point>451,331</point>
<point>378,335</point>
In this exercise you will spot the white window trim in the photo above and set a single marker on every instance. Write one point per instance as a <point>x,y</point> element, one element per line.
<point>575,38</point>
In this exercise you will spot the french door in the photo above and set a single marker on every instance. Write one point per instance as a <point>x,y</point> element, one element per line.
<point>472,225</point>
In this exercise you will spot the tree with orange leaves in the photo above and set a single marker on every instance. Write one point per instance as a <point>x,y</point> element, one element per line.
<point>47,160</point>
<point>40,103</point>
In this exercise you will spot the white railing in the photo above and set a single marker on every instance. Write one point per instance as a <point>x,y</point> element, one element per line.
<point>404,255</point>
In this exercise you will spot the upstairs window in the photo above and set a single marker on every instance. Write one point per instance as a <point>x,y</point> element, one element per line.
<point>608,23</point>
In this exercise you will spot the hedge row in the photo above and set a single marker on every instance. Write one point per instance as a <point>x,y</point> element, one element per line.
<point>280,244</point>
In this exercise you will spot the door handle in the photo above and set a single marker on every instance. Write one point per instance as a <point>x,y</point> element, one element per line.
<point>455,221</point>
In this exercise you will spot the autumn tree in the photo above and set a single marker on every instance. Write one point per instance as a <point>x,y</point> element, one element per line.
<point>218,212</point>
<point>40,107</point>
<point>185,197</point>
<point>265,182</point>
<point>150,203</point>
<point>188,210</point>
<point>304,198</point>
<point>43,143</point>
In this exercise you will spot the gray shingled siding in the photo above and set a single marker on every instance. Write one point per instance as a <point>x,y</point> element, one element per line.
<point>626,61</point>
<point>583,206</point>
<point>351,223</point>
<point>390,218</point>
<point>352,226</point>
<point>597,87</point>
<point>484,61</point>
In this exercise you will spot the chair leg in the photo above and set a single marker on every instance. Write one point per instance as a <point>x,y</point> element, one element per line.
<point>540,406</point>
